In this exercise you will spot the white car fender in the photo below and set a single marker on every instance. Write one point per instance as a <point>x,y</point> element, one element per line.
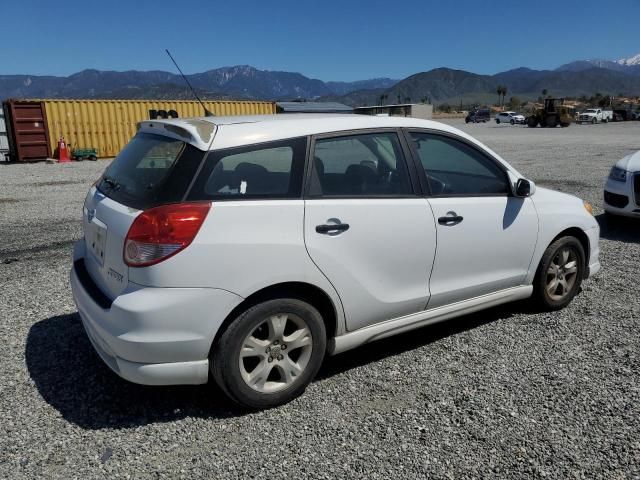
<point>557,212</point>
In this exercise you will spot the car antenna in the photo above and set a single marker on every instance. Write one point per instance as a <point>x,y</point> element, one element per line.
<point>207,113</point>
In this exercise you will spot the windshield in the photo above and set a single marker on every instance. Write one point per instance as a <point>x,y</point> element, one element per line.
<point>150,170</point>
<point>590,110</point>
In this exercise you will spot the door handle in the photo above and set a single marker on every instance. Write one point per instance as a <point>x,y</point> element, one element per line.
<point>331,228</point>
<point>450,220</point>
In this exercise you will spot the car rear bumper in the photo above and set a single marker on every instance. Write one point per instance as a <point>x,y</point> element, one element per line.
<point>154,336</point>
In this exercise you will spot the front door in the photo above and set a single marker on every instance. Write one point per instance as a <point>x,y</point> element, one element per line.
<point>486,236</point>
<point>366,229</point>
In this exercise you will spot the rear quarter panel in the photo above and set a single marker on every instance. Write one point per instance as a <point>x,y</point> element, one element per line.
<point>243,247</point>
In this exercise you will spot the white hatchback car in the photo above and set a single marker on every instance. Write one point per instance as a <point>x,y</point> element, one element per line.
<point>622,190</point>
<point>249,247</point>
<point>509,117</point>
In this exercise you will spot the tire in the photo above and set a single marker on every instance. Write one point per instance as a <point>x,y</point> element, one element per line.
<point>532,122</point>
<point>93,158</point>
<point>551,269</point>
<point>594,120</point>
<point>498,121</point>
<point>551,121</point>
<point>512,122</point>
<point>261,326</point>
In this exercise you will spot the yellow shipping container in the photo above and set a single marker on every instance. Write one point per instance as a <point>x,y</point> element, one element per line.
<point>109,124</point>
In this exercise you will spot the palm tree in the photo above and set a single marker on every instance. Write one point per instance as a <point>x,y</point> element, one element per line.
<point>499,92</point>
<point>504,93</point>
<point>544,92</point>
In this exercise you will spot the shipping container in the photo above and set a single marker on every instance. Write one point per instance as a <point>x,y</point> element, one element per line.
<point>108,125</point>
<point>28,135</point>
<point>4,137</point>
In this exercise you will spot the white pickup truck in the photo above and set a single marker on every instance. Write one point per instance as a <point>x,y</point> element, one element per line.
<point>595,115</point>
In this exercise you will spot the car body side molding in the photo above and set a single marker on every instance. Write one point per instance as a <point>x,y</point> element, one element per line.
<point>389,328</point>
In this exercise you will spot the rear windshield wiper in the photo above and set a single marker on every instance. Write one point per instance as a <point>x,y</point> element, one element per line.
<point>111,182</point>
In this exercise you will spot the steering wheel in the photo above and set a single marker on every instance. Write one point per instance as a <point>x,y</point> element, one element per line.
<point>437,186</point>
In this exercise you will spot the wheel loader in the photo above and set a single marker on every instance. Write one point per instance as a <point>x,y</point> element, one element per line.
<point>554,113</point>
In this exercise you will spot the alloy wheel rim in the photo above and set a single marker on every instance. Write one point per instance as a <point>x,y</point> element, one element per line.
<point>562,273</point>
<point>275,353</point>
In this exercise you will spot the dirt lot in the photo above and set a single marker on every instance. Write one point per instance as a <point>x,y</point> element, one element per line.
<point>502,393</point>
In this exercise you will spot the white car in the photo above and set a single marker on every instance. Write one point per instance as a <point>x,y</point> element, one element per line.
<point>247,248</point>
<point>595,115</point>
<point>509,117</point>
<point>622,190</point>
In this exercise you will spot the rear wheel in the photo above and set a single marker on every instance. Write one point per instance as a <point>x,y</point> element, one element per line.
<point>270,353</point>
<point>498,121</point>
<point>559,274</point>
<point>552,121</point>
<point>532,122</point>
<point>93,158</point>
<point>594,120</point>
<point>512,122</point>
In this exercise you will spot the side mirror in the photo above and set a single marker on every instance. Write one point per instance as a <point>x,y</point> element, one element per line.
<point>523,188</point>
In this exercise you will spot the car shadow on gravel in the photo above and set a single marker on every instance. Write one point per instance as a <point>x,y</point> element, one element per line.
<point>421,337</point>
<point>73,379</point>
<point>621,229</point>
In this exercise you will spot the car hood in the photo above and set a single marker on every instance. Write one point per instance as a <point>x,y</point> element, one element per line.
<point>630,163</point>
<point>554,196</point>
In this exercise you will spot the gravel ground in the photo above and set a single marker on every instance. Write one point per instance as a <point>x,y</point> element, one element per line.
<point>501,393</point>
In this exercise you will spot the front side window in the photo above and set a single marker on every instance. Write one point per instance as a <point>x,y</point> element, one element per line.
<point>269,170</point>
<point>359,165</point>
<point>453,167</point>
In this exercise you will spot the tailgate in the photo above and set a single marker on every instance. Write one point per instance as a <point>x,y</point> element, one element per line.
<point>105,224</point>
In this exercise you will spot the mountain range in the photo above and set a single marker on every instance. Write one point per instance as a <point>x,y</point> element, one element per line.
<point>584,77</point>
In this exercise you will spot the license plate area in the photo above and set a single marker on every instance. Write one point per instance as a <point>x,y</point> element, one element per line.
<point>97,240</point>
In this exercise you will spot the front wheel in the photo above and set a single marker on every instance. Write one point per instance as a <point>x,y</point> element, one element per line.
<point>559,274</point>
<point>512,122</point>
<point>498,121</point>
<point>270,353</point>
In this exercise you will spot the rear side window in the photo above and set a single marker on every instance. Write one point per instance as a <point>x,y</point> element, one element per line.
<point>359,165</point>
<point>454,168</point>
<point>268,170</point>
<point>150,170</point>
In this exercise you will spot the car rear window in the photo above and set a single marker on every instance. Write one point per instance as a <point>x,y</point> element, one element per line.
<point>267,170</point>
<point>151,170</point>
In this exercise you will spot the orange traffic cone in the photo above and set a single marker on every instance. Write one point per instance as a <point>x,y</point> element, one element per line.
<point>63,151</point>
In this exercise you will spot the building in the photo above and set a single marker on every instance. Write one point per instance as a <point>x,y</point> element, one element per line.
<point>312,107</point>
<point>415,110</point>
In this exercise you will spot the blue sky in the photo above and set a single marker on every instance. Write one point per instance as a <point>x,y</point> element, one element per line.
<point>329,40</point>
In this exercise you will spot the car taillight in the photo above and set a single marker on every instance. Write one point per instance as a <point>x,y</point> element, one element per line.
<point>161,232</point>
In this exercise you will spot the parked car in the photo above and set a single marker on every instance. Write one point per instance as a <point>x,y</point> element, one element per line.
<point>622,189</point>
<point>595,115</point>
<point>247,248</point>
<point>617,117</point>
<point>509,117</point>
<point>478,115</point>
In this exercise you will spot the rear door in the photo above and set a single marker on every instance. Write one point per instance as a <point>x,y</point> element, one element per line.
<point>366,229</point>
<point>151,170</point>
<point>486,236</point>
